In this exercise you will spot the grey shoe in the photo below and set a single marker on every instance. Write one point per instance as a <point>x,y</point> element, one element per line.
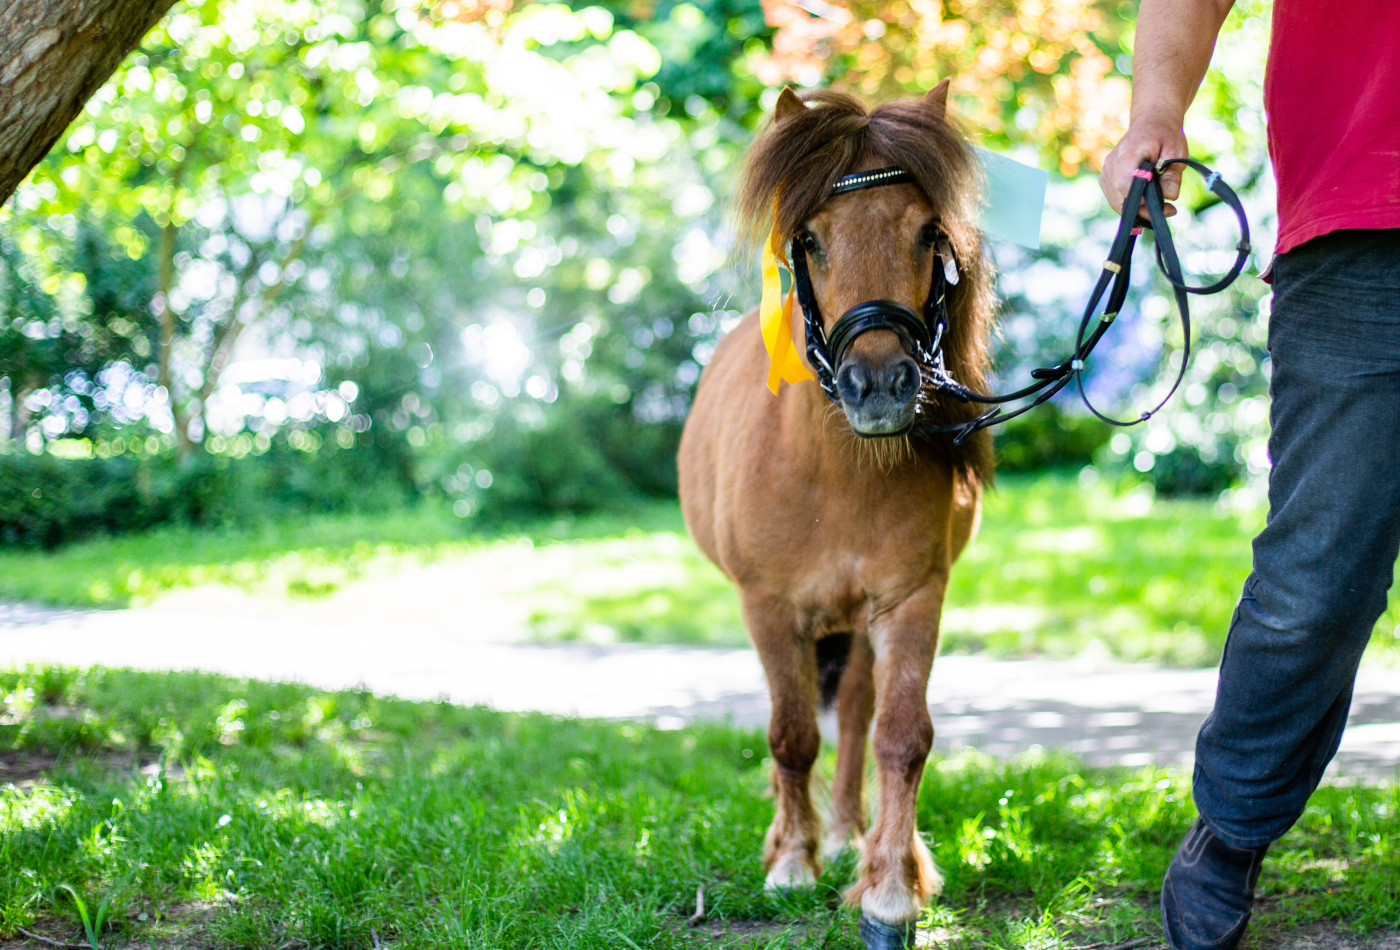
<point>1208,890</point>
<point>878,935</point>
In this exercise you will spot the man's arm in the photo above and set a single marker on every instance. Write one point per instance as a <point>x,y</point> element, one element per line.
<point>1170,56</point>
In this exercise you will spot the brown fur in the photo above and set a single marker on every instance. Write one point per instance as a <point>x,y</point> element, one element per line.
<point>818,536</point>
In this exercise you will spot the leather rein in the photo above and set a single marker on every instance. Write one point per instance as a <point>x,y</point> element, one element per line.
<point>922,334</point>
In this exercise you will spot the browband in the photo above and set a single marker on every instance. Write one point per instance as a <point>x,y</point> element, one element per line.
<point>891,175</point>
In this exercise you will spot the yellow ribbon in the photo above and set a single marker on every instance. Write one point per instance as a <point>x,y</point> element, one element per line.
<point>775,319</point>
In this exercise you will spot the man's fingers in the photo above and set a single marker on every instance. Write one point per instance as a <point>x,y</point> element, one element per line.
<point>1171,183</point>
<point>1168,210</point>
<point>1112,193</point>
<point>1117,178</point>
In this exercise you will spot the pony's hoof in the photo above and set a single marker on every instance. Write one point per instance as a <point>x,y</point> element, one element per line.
<point>837,842</point>
<point>789,874</point>
<point>878,935</point>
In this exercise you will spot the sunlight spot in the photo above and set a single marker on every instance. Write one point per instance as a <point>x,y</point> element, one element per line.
<point>993,618</point>
<point>41,807</point>
<point>499,350</point>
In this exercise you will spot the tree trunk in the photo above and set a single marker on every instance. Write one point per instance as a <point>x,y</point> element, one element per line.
<point>169,322</point>
<point>19,412</point>
<point>54,54</point>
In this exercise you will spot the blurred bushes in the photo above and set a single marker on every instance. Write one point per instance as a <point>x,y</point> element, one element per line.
<point>579,458</point>
<point>48,501</point>
<point>1047,438</point>
<point>1185,472</point>
<point>583,455</point>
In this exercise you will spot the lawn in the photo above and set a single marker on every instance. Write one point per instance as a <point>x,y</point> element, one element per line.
<point>201,810</point>
<point>1061,566</point>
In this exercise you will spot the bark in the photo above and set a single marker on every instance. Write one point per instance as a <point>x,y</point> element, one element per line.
<point>54,54</point>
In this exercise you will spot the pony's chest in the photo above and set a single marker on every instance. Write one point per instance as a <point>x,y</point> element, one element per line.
<point>850,593</point>
<point>839,566</point>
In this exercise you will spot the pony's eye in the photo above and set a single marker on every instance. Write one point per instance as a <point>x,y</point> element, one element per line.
<point>808,240</point>
<point>929,235</point>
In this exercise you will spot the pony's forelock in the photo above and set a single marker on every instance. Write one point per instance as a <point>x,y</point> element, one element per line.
<point>790,168</point>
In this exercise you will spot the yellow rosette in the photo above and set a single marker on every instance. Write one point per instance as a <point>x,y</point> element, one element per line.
<point>785,364</point>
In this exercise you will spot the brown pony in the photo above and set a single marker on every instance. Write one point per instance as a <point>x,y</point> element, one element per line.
<point>838,529</point>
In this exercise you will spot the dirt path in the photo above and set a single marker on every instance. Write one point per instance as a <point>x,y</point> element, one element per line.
<point>1104,711</point>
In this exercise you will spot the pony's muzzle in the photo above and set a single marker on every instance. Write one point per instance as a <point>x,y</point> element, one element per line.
<point>880,399</point>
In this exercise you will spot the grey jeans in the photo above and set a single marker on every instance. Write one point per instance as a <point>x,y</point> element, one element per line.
<point>1324,561</point>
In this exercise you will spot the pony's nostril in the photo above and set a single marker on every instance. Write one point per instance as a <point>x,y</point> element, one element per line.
<point>904,380</point>
<point>853,382</point>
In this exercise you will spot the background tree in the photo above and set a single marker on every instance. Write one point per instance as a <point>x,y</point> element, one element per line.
<point>482,244</point>
<point>56,54</point>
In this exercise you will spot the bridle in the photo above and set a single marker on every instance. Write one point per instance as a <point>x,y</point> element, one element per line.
<point>922,337</point>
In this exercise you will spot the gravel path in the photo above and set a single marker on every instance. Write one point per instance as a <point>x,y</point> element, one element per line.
<point>1104,711</point>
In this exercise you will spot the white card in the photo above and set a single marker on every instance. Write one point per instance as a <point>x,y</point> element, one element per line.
<point>1014,199</point>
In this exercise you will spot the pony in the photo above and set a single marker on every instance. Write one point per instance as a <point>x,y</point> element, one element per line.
<point>835,519</point>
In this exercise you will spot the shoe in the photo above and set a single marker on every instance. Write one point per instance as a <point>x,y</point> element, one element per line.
<point>1208,891</point>
<point>878,935</point>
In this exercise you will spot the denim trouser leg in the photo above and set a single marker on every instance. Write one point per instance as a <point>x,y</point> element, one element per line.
<point>1324,562</point>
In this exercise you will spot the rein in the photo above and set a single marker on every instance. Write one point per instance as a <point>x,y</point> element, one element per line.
<point>922,336</point>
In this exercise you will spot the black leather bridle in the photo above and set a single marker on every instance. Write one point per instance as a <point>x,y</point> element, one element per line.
<point>922,337</point>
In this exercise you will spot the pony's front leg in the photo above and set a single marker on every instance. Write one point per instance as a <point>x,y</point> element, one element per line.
<point>897,875</point>
<point>855,707</point>
<point>789,661</point>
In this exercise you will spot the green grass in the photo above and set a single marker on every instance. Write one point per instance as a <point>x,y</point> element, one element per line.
<point>271,816</point>
<point>1058,568</point>
<point>310,556</point>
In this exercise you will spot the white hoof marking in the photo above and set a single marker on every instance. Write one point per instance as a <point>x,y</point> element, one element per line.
<point>838,840</point>
<point>891,901</point>
<point>788,873</point>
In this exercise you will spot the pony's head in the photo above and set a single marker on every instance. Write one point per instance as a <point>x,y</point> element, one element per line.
<point>876,244</point>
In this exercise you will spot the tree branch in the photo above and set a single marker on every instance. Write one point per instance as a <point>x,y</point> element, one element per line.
<point>54,54</point>
<point>50,942</point>
<point>226,335</point>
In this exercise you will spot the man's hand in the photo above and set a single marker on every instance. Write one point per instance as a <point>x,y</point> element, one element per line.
<point>1170,55</point>
<point>1150,137</point>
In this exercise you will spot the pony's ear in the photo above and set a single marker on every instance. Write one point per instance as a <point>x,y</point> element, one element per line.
<point>788,105</point>
<point>937,97</point>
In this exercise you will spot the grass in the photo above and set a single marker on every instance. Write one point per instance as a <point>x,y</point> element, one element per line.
<point>1059,567</point>
<point>306,557</point>
<point>198,809</point>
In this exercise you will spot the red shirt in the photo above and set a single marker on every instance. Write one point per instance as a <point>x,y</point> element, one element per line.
<point>1332,94</point>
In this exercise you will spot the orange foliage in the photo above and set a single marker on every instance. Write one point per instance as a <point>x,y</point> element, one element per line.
<point>492,11</point>
<point>1023,70</point>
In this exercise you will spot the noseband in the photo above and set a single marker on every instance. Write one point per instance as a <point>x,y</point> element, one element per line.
<point>921,336</point>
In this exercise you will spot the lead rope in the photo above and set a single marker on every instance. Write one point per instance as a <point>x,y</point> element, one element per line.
<point>1114,279</point>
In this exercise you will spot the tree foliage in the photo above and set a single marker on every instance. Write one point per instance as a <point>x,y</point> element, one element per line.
<point>485,240</point>
<point>1035,71</point>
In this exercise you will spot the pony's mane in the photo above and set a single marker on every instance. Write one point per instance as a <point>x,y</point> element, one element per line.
<point>787,176</point>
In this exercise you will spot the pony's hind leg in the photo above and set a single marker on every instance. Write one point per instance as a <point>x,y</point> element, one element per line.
<point>897,875</point>
<point>855,706</point>
<point>789,662</point>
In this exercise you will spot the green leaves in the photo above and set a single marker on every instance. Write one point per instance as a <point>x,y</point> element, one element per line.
<point>95,921</point>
